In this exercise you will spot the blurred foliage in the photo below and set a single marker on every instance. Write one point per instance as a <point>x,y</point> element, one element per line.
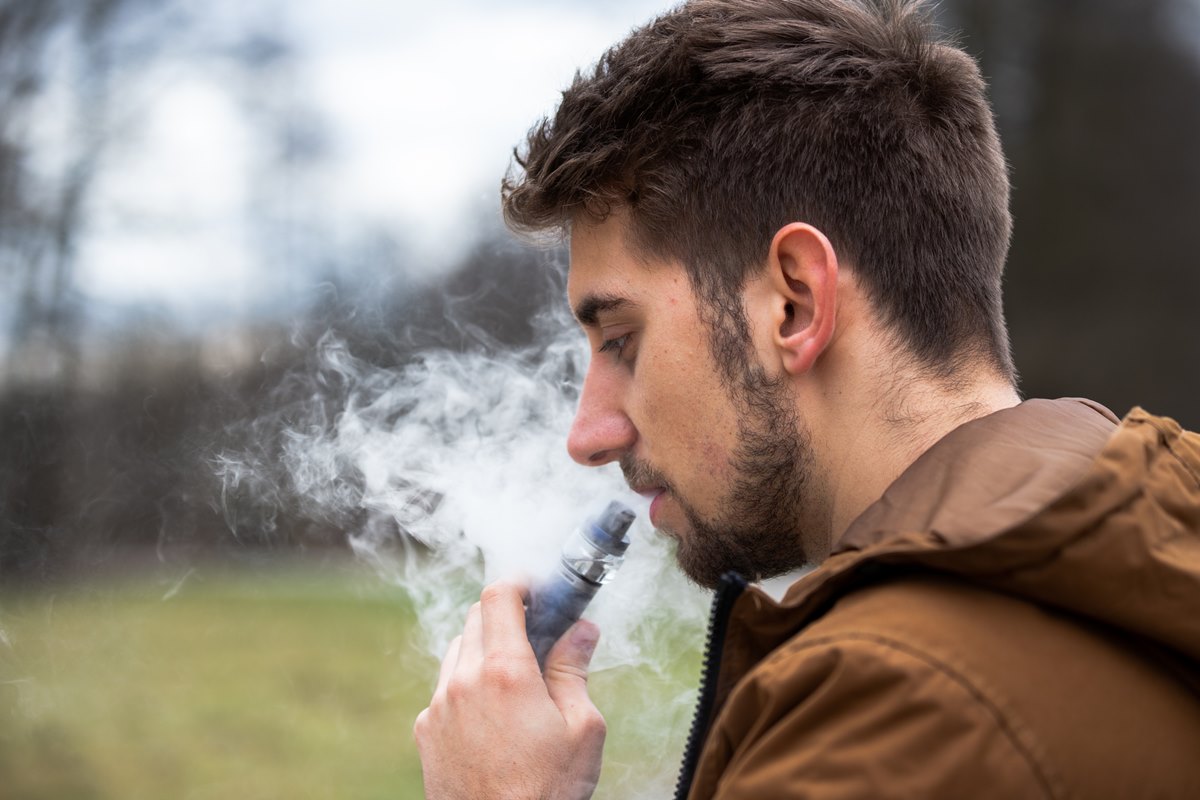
<point>108,436</point>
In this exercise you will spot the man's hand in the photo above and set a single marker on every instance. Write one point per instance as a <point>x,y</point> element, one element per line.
<point>498,729</point>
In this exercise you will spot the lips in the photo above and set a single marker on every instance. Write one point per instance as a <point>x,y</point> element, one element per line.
<point>654,494</point>
<point>646,481</point>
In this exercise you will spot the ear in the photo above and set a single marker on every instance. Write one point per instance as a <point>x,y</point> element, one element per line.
<point>804,281</point>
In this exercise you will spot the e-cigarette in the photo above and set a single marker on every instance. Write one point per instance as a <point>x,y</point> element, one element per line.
<point>590,558</point>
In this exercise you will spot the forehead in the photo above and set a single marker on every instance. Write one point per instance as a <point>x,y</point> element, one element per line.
<point>598,251</point>
<point>604,265</point>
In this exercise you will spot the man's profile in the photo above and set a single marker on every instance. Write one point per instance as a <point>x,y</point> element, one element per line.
<point>788,222</point>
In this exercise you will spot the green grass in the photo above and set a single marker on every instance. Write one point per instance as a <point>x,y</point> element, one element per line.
<point>298,683</point>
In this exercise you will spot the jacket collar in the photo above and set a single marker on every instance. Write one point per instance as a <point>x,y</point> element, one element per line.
<point>988,475</point>
<point>977,482</point>
<point>1049,500</point>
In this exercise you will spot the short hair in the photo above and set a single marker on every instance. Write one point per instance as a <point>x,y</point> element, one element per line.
<point>721,121</point>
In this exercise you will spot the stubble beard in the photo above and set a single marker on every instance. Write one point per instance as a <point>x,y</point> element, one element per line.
<point>758,532</point>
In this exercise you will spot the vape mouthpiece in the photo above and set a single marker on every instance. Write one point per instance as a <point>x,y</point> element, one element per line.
<point>590,558</point>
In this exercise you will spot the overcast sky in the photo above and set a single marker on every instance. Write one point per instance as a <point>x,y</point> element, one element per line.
<point>422,102</point>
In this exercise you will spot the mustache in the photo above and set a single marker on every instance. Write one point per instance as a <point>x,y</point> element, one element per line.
<point>640,473</point>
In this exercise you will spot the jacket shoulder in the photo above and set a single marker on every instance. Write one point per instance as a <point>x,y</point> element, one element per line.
<point>837,712</point>
<point>928,686</point>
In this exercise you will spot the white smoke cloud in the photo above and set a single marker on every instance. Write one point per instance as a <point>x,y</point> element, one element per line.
<point>455,472</point>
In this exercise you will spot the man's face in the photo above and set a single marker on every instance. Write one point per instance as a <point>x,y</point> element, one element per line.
<point>718,448</point>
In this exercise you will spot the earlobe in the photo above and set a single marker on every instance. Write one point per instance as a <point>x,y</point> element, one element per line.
<point>804,272</point>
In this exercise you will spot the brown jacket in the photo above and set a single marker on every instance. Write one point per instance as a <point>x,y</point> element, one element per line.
<point>1017,617</point>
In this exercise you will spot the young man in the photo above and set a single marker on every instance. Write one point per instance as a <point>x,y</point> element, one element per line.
<point>788,222</point>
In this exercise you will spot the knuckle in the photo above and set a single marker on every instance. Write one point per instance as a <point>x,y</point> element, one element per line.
<point>561,670</point>
<point>593,726</point>
<point>500,673</point>
<point>457,690</point>
<point>494,592</point>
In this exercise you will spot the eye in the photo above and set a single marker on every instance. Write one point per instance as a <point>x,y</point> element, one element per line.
<point>615,346</point>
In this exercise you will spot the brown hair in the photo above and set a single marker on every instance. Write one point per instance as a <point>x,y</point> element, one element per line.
<point>723,120</point>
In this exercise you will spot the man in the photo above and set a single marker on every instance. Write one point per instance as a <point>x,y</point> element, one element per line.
<point>788,222</point>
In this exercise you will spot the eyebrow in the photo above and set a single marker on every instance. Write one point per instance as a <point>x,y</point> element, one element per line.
<point>588,310</point>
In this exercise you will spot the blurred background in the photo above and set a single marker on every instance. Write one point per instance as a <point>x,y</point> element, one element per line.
<point>196,196</point>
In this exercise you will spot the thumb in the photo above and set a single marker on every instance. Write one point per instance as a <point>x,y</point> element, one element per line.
<point>566,669</point>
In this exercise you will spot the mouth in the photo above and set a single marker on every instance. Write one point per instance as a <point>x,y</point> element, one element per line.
<point>654,494</point>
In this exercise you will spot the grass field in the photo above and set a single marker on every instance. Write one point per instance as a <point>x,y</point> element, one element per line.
<point>293,683</point>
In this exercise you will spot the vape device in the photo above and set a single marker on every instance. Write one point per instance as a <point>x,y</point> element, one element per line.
<point>590,558</point>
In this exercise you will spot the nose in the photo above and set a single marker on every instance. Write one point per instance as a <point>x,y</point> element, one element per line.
<point>601,431</point>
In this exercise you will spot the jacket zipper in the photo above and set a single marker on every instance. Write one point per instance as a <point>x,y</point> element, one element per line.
<point>729,590</point>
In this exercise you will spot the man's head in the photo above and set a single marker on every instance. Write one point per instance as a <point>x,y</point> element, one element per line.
<point>706,134</point>
<point>725,460</point>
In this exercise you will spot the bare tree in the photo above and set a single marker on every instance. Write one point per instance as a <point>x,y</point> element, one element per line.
<point>59,63</point>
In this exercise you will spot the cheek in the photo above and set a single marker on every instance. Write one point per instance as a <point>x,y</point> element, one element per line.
<point>683,412</point>
<point>668,394</point>
<point>686,423</point>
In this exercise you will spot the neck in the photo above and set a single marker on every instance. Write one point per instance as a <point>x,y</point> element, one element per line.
<point>867,445</point>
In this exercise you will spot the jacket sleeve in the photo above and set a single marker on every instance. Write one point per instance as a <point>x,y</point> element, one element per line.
<point>860,716</point>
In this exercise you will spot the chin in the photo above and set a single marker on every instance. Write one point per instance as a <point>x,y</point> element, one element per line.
<point>667,533</point>
<point>698,567</point>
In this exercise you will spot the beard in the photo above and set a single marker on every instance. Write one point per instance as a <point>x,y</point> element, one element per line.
<point>760,530</point>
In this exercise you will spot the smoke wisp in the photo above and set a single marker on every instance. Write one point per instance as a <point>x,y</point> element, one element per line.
<point>451,471</point>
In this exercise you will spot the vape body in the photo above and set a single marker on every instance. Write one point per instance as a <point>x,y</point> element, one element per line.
<point>590,558</point>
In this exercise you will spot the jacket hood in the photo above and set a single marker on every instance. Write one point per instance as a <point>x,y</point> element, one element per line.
<point>1051,500</point>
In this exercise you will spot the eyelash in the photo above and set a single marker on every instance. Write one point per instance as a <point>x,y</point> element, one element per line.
<point>614,346</point>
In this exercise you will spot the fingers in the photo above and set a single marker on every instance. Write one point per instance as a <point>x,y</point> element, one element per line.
<point>491,694</point>
<point>570,656</point>
<point>566,679</point>
<point>448,664</point>
<point>503,611</point>
<point>493,641</point>
<point>471,650</point>
<point>494,631</point>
